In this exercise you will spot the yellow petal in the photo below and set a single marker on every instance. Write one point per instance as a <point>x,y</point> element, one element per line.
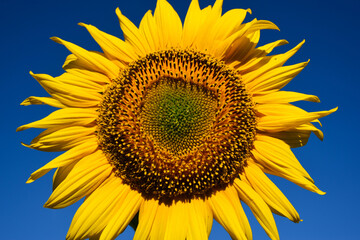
<point>204,38</point>
<point>75,72</point>
<point>283,121</point>
<point>63,117</point>
<point>259,66</point>
<point>257,57</point>
<point>200,220</point>
<point>113,47</point>
<point>132,35</point>
<point>83,179</point>
<point>90,59</point>
<point>158,229</point>
<point>229,213</point>
<point>298,137</point>
<point>274,79</point>
<point>232,20</point>
<point>171,222</point>
<point>42,100</point>
<point>241,47</point>
<point>267,48</point>
<point>68,95</point>
<point>97,210</point>
<point>169,24</point>
<point>277,159</point>
<point>245,39</point>
<point>125,212</point>
<point>284,97</point>
<point>61,173</point>
<point>193,22</point>
<point>149,29</point>
<point>66,158</point>
<point>268,191</point>
<point>94,81</point>
<point>258,207</point>
<point>147,213</point>
<point>62,138</point>
<point>276,151</point>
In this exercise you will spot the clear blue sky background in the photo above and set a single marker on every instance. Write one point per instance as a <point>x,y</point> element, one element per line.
<point>331,30</point>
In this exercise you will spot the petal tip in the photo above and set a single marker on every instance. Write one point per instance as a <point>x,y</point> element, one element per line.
<point>57,40</point>
<point>30,180</point>
<point>82,24</point>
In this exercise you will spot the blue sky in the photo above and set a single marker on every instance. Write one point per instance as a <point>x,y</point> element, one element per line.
<point>331,32</point>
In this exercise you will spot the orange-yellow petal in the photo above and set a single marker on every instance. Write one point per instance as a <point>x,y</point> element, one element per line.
<point>66,158</point>
<point>229,213</point>
<point>83,179</point>
<point>268,191</point>
<point>92,60</point>
<point>259,208</point>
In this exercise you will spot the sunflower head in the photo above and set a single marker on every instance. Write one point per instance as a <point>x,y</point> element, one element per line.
<point>177,123</point>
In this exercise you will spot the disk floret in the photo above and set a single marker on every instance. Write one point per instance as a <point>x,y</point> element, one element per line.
<point>177,124</point>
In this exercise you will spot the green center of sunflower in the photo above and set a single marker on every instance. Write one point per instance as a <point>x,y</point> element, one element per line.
<point>177,114</point>
<point>177,125</point>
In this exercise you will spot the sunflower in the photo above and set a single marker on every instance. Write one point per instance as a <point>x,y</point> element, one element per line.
<point>174,126</point>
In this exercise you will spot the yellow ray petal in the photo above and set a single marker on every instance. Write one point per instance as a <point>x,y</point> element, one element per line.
<point>147,213</point>
<point>84,79</point>
<point>267,48</point>
<point>258,207</point>
<point>205,213</point>
<point>204,38</point>
<point>113,47</point>
<point>177,221</point>
<point>200,220</point>
<point>241,47</point>
<point>284,97</point>
<point>256,57</point>
<point>289,174</point>
<point>61,173</point>
<point>66,158</point>
<point>68,95</point>
<point>297,137</point>
<point>268,191</point>
<point>90,59</point>
<point>84,178</point>
<point>232,19</point>
<point>284,110</point>
<point>168,23</point>
<point>78,74</point>
<point>274,79</point>
<point>158,228</point>
<point>294,138</point>
<point>42,100</point>
<point>228,212</point>
<point>125,212</point>
<point>232,46</point>
<point>171,222</point>
<point>149,29</point>
<point>193,21</point>
<point>97,210</point>
<point>259,66</point>
<point>132,35</point>
<point>62,138</point>
<point>277,159</point>
<point>276,151</point>
<point>276,123</point>
<point>63,117</point>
